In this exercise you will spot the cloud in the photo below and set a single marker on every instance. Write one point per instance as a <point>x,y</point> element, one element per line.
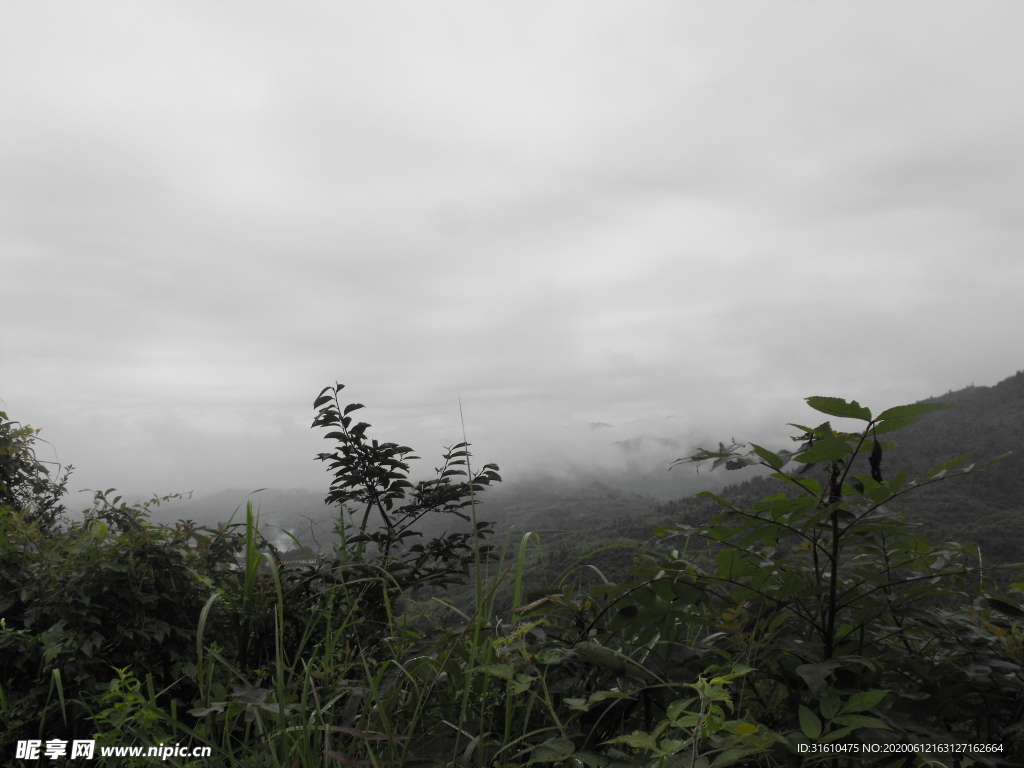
<point>563,216</point>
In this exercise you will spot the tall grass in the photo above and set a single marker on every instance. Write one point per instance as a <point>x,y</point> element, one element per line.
<point>331,699</point>
<point>291,675</point>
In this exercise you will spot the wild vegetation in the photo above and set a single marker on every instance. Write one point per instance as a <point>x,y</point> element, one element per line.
<point>812,625</point>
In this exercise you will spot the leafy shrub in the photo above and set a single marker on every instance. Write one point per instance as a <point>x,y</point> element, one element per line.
<point>857,627</point>
<point>814,615</point>
<point>110,591</point>
<point>373,477</point>
<point>25,482</point>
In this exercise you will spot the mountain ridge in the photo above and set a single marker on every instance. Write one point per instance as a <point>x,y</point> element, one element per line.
<point>984,509</point>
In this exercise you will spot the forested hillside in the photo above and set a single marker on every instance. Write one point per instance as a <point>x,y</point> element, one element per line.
<point>985,509</point>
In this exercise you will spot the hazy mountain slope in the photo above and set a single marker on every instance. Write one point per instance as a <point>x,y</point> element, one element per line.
<point>986,509</point>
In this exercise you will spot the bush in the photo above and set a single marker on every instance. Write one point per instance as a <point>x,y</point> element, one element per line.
<point>858,628</point>
<point>111,591</point>
<point>817,615</point>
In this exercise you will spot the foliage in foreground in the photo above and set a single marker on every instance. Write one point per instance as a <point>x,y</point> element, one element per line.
<point>816,616</point>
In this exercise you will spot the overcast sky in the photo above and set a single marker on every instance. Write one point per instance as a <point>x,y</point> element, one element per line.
<point>674,219</point>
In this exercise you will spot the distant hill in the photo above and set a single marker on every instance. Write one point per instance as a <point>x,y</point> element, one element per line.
<point>533,503</point>
<point>986,509</point>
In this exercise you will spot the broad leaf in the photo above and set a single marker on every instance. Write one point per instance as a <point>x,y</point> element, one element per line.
<point>836,406</point>
<point>824,450</point>
<point>809,723</point>
<point>830,704</point>
<point>816,675</point>
<point>862,701</point>
<point>772,459</point>
<point>913,412</point>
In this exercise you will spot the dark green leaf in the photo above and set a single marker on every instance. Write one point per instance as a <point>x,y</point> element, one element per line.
<point>772,459</point>
<point>809,723</point>
<point>829,449</point>
<point>1003,606</point>
<point>836,406</point>
<point>862,701</point>
<point>816,675</point>
<point>497,670</point>
<point>875,461</point>
<point>323,397</point>
<point>830,704</point>
<point>913,412</point>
